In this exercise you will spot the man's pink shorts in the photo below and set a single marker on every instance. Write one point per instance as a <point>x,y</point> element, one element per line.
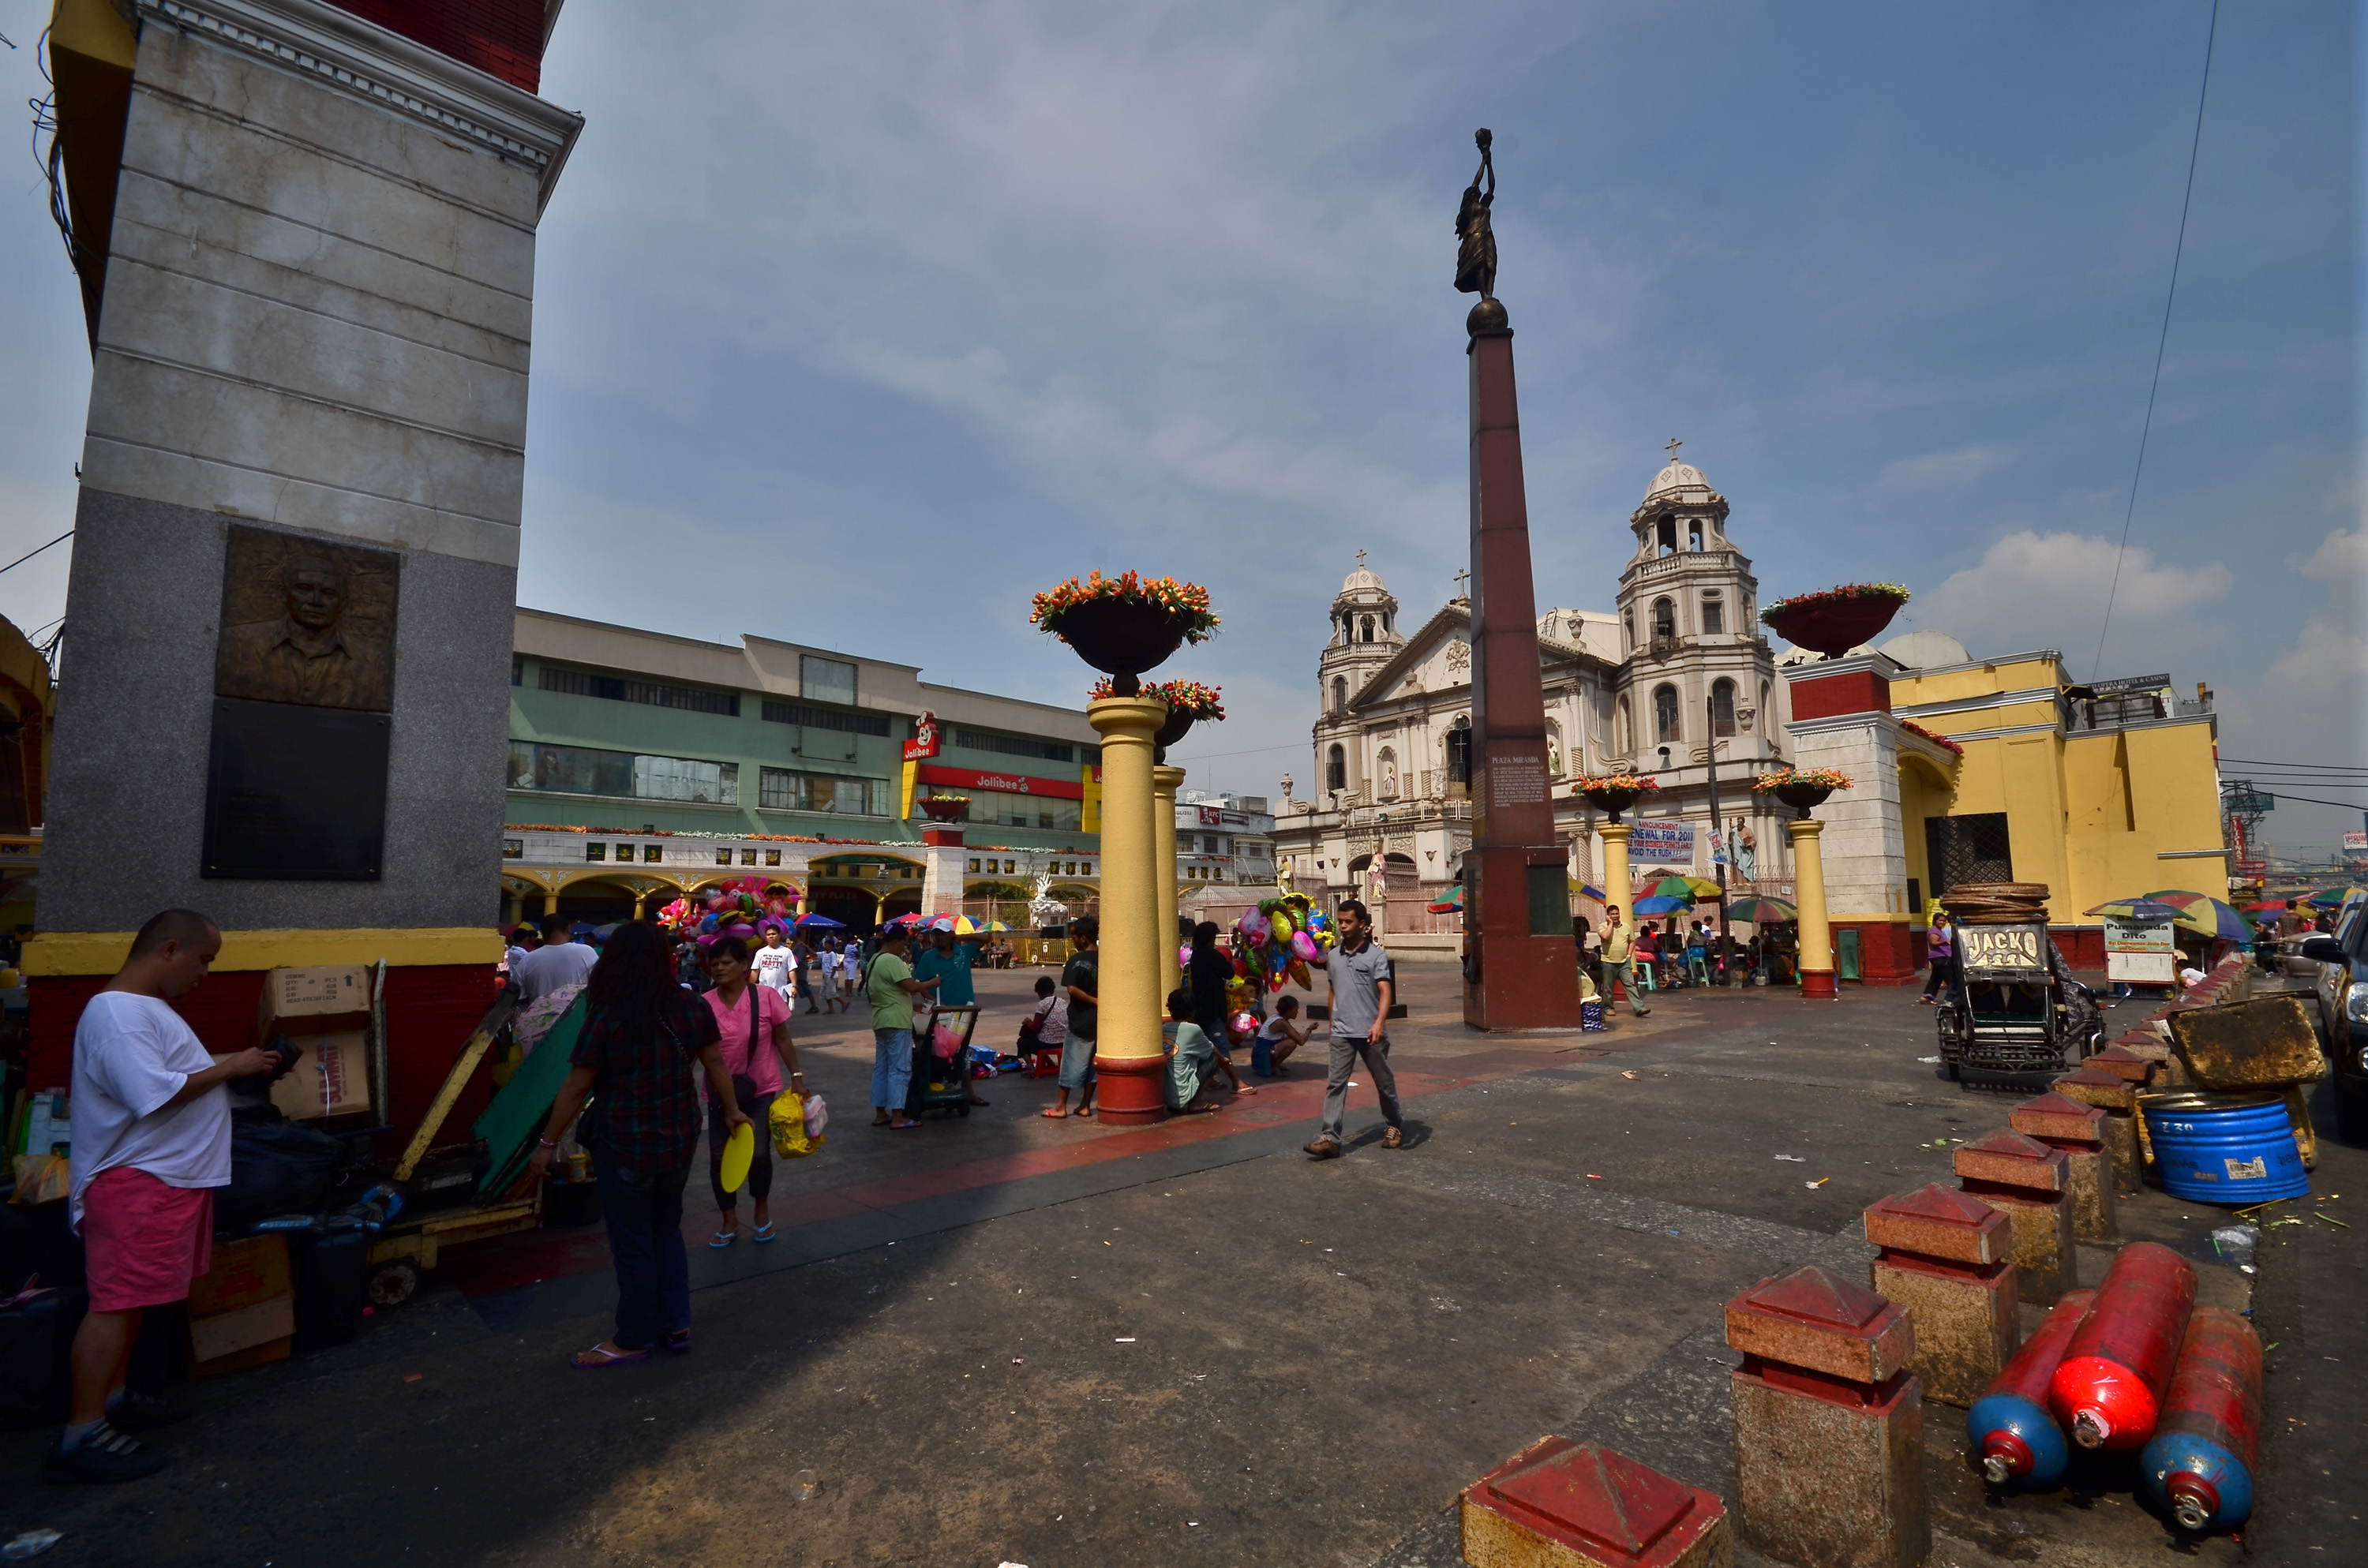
<point>143,1240</point>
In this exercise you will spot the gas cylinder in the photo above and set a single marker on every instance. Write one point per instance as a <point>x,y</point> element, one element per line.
<point>2108,1388</point>
<point>2012,1434</point>
<point>2200,1462</point>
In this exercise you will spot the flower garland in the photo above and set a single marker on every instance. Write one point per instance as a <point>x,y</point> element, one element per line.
<point>1179,696</point>
<point>1896,593</point>
<point>1186,602</point>
<point>1943,741</point>
<point>1615,782</point>
<point>1814,777</point>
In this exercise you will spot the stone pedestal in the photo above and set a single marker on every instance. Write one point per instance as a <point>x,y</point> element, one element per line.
<point>2027,1181</point>
<point>1516,875</point>
<point>2078,1132</point>
<point>1563,1504</point>
<point>1947,1258</point>
<point>2124,1135</point>
<point>1617,889</point>
<point>1828,1424</point>
<point>1817,959</point>
<point>1128,1056</point>
<point>1165,782</point>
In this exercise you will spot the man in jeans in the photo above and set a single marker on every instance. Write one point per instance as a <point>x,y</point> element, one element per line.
<point>889,987</point>
<point>1082,978</point>
<point>1619,961</point>
<point>1360,983</point>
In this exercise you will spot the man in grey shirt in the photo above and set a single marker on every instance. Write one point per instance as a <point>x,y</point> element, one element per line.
<point>1362,984</point>
<point>557,962</point>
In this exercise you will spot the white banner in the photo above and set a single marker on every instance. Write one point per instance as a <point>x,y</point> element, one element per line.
<point>1662,844</point>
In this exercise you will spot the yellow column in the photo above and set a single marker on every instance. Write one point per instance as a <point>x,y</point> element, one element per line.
<point>1165,782</point>
<point>1809,892</point>
<point>1616,886</point>
<point>1128,1058</point>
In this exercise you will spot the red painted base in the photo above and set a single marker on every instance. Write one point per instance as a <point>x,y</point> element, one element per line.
<point>1886,950</point>
<point>1817,985</point>
<point>1526,982</point>
<point>1128,1090</point>
<point>2084,946</point>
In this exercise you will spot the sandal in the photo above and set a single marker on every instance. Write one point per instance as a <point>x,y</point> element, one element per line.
<point>604,1357</point>
<point>1394,1138</point>
<point>678,1340</point>
<point>723,1239</point>
<point>765,1233</point>
<point>1055,1115</point>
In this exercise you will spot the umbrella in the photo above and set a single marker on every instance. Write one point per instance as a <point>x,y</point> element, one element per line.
<point>2145,909</point>
<point>995,926</point>
<point>1761,910</point>
<point>2205,916</point>
<point>1584,891</point>
<point>1675,886</point>
<point>2273,906</point>
<point>1653,905</point>
<point>809,921</point>
<point>1453,902</point>
<point>2330,898</point>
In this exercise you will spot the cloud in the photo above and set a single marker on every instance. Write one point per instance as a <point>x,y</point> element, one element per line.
<point>2341,557</point>
<point>2328,663</point>
<point>2036,590</point>
<point>1935,470</point>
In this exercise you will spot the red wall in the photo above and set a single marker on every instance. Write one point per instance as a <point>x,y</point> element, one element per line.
<point>1887,948</point>
<point>430,1012</point>
<point>1856,691</point>
<point>501,38</point>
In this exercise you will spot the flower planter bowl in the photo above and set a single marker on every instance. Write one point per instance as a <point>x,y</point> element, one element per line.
<point>1833,627</point>
<point>945,808</point>
<point>1121,638</point>
<point>1803,798</point>
<point>1178,725</point>
<point>1614,801</point>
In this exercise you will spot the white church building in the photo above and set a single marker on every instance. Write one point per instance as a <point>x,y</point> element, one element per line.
<point>1675,676</point>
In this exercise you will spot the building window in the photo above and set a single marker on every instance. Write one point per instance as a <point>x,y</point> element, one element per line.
<point>1694,534</point>
<point>1013,745</point>
<point>1713,611</point>
<point>584,683</point>
<point>517,670</point>
<point>1665,715</point>
<point>1970,848</point>
<point>1665,621</point>
<point>1368,630</point>
<point>512,849</point>
<point>1010,808</point>
<point>601,852</point>
<point>1626,739</point>
<point>582,770</point>
<point>1459,755</point>
<point>1666,535</point>
<point>1339,694</point>
<point>778,789</point>
<point>1336,770</point>
<point>1628,628</point>
<point>825,680</point>
<point>1721,707</point>
<point>825,719</point>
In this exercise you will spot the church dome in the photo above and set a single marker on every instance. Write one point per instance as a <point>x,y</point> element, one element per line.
<point>1361,581</point>
<point>1677,479</point>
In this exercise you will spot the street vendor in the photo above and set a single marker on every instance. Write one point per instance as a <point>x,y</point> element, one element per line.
<point>948,959</point>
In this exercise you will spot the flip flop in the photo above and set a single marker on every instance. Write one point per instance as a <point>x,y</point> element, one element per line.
<point>723,1239</point>
<point>904,1125</point>
<point>607,1359</point>
<point>678,1341</point>
<point>1055,1115</point>
<point>765,1233</point>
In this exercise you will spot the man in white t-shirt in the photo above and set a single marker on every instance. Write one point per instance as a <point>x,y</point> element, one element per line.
<point>775,965</point>
<point>150,1142</point>
<point>559,961</point>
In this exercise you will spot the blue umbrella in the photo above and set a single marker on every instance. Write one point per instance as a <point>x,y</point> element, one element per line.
<point>1661,906</point>
<point>804,921</point>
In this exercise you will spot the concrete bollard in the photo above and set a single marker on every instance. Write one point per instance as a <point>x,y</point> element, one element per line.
<point>2025,1180</point>
<point>1945,1258</point>
<point>1563,1504</point>
<point>1828,1424</point>
<point>2079,1132</point>
<point>2125,1140</point>
<point>2123,1063</point>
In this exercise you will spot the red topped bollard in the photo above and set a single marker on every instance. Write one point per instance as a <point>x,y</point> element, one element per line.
<point>1828,1424</point>
<point>2125,1138</point>
<point>1947,1258</point>
<point>1558,1503</point>
<point>2079,1132</point>
<point>2026,1181</point>
<point>2108,1390</point>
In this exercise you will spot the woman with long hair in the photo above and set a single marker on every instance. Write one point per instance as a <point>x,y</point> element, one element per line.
<point>643,1033</point>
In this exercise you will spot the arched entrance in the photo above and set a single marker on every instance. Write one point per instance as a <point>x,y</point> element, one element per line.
<point>597,901</point>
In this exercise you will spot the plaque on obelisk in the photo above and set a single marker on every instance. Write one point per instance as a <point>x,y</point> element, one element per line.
<point>1522,968</point>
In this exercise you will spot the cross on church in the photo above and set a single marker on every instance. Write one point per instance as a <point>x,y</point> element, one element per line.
<point>1461,577</point>
<point>1361,560</point>
<point>1674,445</point>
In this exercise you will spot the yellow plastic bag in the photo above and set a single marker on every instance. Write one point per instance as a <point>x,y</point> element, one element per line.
<point>41,1178</point>
<point>788,1121</point>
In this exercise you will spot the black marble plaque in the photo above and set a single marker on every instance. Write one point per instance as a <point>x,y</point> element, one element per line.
<point>295,794</point>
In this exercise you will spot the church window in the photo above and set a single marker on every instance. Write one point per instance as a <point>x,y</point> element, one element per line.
<point>1714,614</point>
<point>1628,628</point>
<point>1693,534</point>
<point>1626,738</point>
<point>1368,629</point>
<point>1665,714</point>
<point>1339,694</point>
<point>1721,707</point>
<point>1665,621</point>
<point>1336,770</point>
<point>1666,531</point>
<point>1459,755</point>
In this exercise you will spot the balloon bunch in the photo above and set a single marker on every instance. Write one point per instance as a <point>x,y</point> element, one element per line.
<point>741,907</point>
<point>1275,942</point>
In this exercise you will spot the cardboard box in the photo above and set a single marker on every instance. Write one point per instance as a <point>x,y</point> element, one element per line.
<point>244,1311</point>
<point>320,1000</point>
<point>330,1079</point>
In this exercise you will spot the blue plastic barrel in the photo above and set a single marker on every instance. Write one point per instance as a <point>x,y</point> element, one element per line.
<point>2227,1149</point>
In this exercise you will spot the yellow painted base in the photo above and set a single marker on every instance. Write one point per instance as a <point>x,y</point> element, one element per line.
<point>103,952</point>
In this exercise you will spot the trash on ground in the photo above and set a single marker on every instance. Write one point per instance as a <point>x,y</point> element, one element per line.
<point>1796,1159</point>
<point>1124,1339</point>
<point>1627,1071</point>
<point>2234,1243</point>
<point>2333,1221</point>
<point>32,1543</point>
<point>1819,1182</point>
<point>1929,1061</point>
<point>803,1486</point>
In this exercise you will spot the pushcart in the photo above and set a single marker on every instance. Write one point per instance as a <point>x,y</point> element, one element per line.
<point>2013,1016</point>
<point>942,1083</point>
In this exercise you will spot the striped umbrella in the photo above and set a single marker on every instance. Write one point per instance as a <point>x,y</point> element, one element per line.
<point>1761,910</point>
<point>1656,906</point>
<point>2141,909</point>
<point>2205,916</point>
<point>1453,902</point>
<point>1671,885</point>
<point>2330,898</point>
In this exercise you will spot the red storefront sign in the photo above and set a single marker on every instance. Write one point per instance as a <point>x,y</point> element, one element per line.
<point>924,743</point>
<point>1005,783</point>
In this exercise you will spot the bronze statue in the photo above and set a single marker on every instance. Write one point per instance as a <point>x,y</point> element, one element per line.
<point>1475,261</point>
<point>329,645</point>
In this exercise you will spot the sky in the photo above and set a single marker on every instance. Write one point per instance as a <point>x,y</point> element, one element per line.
<point>856,326</point>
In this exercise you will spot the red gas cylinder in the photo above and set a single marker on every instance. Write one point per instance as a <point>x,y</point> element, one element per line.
<point>2014,1438</point>
<point>2200,1463</point>
<point>2108,1388</point>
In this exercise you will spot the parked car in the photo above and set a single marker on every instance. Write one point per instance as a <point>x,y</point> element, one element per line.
<point>2341,986</point>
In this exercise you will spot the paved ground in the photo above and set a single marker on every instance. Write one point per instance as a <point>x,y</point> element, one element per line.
<point>1009,1340</point>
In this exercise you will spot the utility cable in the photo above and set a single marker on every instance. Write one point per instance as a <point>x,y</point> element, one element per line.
<point>36,551</point>
<point>2161,342</point>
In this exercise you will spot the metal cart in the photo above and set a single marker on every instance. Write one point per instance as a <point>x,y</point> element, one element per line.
<point>2014,1015</point>
<point>942,1083</point>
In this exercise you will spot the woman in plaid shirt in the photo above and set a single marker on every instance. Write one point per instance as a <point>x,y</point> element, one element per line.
<point>643,1033</point>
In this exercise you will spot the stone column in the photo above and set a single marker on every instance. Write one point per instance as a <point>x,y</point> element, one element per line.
<point>1165,782</point>
<point>1816,956</point>
<point>1127,1052</point>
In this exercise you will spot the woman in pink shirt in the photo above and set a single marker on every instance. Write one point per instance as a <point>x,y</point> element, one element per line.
<point>755,1023</point>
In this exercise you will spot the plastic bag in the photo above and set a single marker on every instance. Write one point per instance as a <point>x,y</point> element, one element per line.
<point>787,1121</point>
<point>946,1044</point>
<point>42,1178</point>
<point>817,1117</point>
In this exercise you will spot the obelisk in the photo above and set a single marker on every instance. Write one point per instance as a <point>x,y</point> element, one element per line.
<point>1522,973</point>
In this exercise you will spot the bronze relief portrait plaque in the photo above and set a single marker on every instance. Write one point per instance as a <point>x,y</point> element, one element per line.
<point>307,621</point>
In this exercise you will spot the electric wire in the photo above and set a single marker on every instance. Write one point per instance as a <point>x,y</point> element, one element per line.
<point>36,551</point>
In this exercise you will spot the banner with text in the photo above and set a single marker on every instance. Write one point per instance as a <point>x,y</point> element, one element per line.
<point>1662,844</point>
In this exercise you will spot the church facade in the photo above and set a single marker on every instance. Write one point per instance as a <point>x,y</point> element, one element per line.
<point>1674,680</point>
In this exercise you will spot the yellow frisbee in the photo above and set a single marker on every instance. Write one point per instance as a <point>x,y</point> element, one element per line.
<point>739,1151</point>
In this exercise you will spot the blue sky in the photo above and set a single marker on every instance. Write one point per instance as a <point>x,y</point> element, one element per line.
<point>857,324</point>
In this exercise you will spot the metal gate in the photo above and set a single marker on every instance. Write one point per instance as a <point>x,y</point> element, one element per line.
<point>1971,849</point>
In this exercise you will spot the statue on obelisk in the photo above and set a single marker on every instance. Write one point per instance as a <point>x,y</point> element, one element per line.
<point>1521,965</point>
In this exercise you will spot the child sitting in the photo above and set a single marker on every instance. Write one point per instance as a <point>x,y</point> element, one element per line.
<point>1046,1028</point>
<point>1190,1053</point>
<point>1277,1039</point>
